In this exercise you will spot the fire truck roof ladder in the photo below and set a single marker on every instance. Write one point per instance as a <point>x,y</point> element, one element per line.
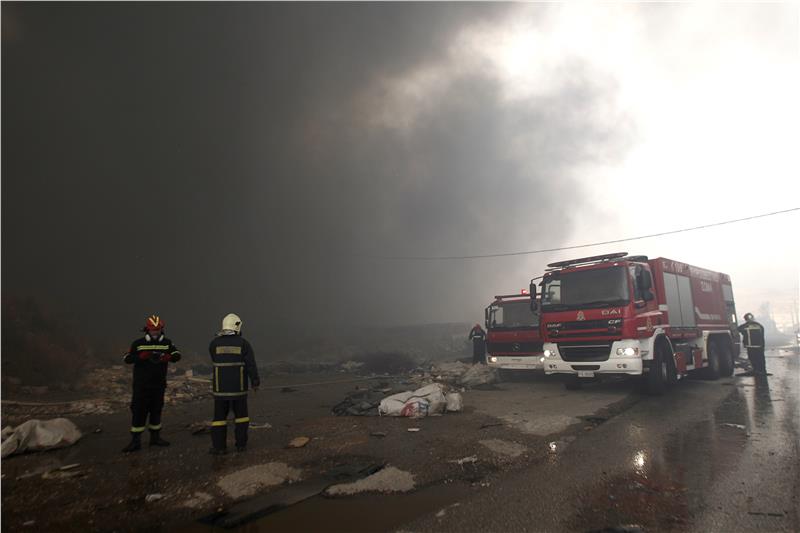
<point>586,260</point>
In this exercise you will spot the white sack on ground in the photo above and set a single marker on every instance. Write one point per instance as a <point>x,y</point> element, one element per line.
<point>38,435</point>
<point>425,401</point>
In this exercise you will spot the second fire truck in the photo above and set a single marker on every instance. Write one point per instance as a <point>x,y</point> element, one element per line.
<point>513,337</point>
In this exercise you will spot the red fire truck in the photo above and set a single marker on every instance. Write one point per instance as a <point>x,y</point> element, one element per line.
<point>621,314</point>
<point>514,341</point>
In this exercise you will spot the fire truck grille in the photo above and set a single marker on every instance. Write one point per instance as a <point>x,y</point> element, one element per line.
<point>515,347</point>
<point>585,352</point>
<point>585,324</point>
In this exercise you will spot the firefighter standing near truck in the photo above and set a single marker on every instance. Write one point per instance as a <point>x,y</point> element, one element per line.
<point>149,356</point>
<point>234,368</point>
<point>478,338</point>
<point>753,338</point>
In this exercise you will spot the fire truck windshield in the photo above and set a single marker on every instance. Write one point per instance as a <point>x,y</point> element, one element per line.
<point>599,287</point>
<point>515,314</point>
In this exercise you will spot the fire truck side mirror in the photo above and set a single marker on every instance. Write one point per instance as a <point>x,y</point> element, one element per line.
<point>532,291</point>
<point>486,317</point>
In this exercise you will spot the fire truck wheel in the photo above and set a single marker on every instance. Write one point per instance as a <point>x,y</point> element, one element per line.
<point>714,362</point>
<point>726,360</point>
<point>660,373</point>
<point>572,382</point>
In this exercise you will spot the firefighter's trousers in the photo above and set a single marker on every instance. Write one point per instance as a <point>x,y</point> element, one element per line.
<point>219,426</point>
<point>478,351</point>
<point>146,401</point>
<point>757,360</point>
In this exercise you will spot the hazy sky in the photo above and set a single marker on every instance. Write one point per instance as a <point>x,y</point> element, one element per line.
<point>198,159</point>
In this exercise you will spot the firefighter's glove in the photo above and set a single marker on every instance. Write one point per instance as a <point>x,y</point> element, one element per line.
<point>144,356</point>
<point>165,358</point>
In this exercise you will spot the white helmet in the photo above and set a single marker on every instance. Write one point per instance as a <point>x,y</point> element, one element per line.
<point>232,322</point>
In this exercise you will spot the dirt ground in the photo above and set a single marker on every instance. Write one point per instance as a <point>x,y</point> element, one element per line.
<point>497,430</point>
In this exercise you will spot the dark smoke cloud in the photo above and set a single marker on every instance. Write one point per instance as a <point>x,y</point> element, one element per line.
<point>197,159</point>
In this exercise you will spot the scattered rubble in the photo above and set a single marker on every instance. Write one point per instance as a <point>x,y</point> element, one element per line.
<point>298,442</point>
<point>150,498</point>
<point>250,480</point>
<point>464,460</point>
<point>386,480</point>
<point>198,500</point>
<point>39,435</point>
<point>351,366</point>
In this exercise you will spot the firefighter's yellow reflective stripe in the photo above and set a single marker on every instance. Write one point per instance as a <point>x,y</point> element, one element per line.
<point>135,429</point>
<point>216,379</point>
<point>154,428</point>
<point>217,423</point>
<point>153,347</point>
<point>173,352</point>
<point>243,393</point>
<point>242,420</point>
<point>241,378</point>
<point>229,364</point>
<point>221,350</point>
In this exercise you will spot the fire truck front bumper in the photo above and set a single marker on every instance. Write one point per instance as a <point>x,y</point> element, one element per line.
<point>515,361</point>
<point>619,361</point>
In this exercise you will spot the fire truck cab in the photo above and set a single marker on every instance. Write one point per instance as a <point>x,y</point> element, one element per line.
<point>630,315</point>
<point>513,337</point>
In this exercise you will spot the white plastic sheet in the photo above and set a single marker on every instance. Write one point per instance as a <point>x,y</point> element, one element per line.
<point>38,435</point>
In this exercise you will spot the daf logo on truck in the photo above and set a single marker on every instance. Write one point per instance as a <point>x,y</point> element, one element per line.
<point>661,335</point>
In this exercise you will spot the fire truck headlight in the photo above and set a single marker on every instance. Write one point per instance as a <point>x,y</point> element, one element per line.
<point>492,359</point>
<point>549,353</point>
<point>628,352</point>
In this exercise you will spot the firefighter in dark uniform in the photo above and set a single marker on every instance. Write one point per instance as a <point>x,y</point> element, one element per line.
<point>234,368</point>
<point>478,338</point>
<point>753,338</point>
<point>149,356</point>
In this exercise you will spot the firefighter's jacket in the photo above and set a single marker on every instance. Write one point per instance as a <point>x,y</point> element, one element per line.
<point>150,358</point>
<point>752,334</point>
<point>234,366</point>
<point>477,333</point>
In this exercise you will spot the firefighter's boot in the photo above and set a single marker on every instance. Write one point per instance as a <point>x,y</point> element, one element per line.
<point>155,438</point>
<point>135,444</point>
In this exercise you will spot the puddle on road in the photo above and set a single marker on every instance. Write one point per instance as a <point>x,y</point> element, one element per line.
<point>364,513</point>
<point>663,488</point>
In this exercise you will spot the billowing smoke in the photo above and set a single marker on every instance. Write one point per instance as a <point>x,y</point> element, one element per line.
<point>198,159</point>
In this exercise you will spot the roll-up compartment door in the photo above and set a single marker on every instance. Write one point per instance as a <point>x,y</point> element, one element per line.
<point>687,302</point>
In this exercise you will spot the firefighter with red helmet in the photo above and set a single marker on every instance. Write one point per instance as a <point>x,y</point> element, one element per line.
<point>234,369</point>
<point>478,338</point>
<point>149,356</point>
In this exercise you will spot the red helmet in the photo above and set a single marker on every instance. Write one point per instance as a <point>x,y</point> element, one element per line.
<point>153,323</point>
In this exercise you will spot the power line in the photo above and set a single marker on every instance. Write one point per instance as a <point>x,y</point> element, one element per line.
<point>575,247</point>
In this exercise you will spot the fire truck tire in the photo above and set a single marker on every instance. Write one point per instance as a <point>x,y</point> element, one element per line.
<point>572,382</point>
<point>726,360</point>
<point>661,371</point>
<point>713,370</point>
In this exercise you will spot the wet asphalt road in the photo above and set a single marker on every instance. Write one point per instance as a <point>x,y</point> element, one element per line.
<point>680,462</point>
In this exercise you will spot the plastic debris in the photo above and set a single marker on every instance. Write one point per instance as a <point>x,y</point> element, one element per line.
<point>737,426</point>
<point>39,435</point>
